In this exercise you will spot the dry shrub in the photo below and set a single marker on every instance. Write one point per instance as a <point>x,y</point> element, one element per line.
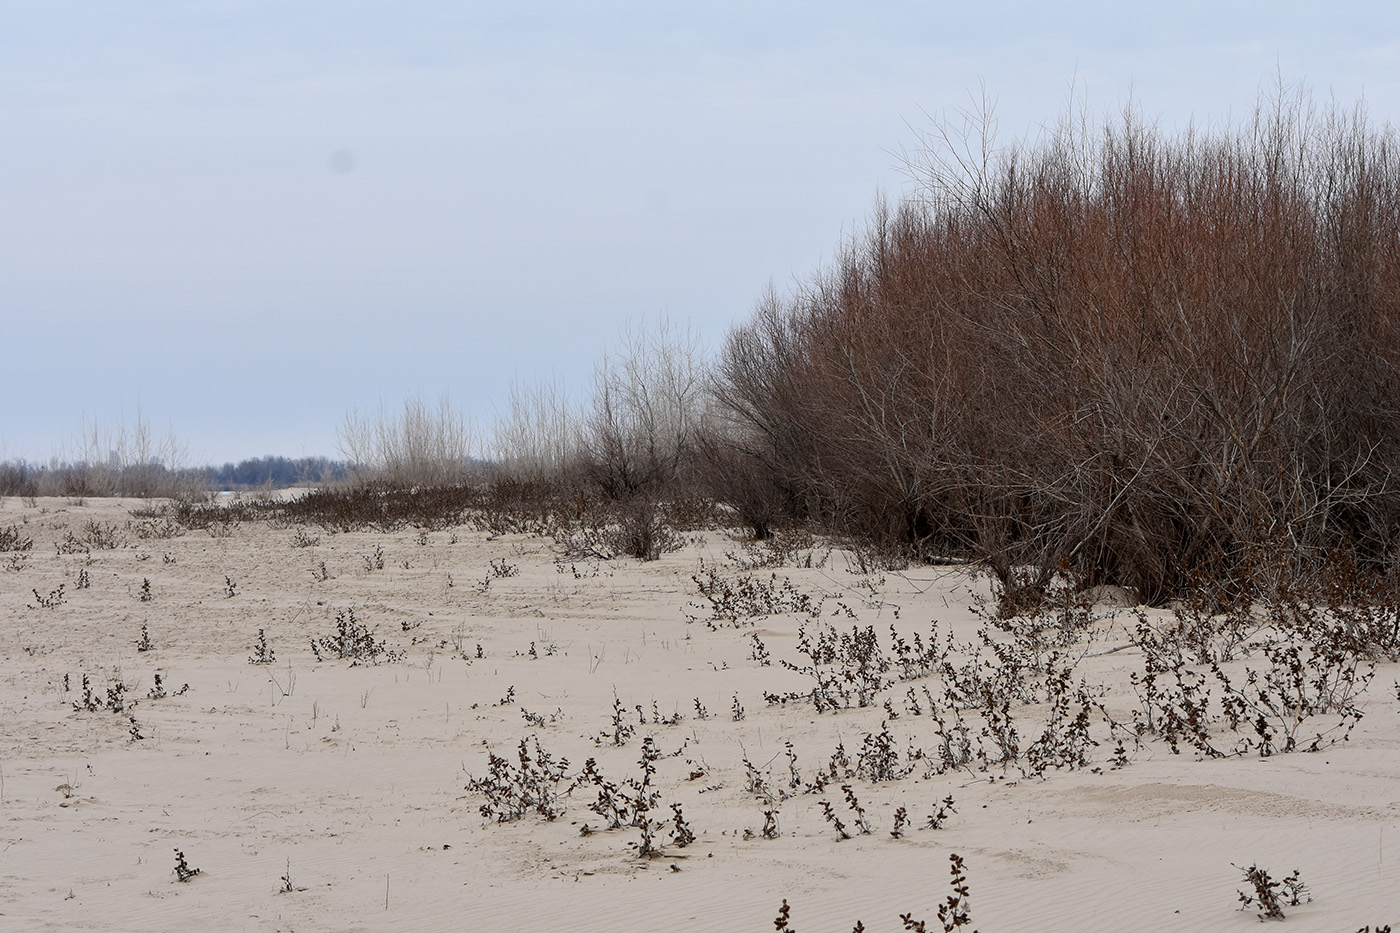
<point>1135,355</point>
<point>378,505</point>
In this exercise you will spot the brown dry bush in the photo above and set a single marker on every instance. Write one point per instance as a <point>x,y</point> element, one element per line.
<point>1133,355</point>
<point>381,506</point>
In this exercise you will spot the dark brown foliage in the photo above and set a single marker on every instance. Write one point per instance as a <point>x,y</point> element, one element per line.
<point>1127,354</point>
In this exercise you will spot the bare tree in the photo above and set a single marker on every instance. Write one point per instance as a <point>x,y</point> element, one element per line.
<point>539,437</point>
<point>639,428</point>
<point>647,401</point>
<point>418,446</point>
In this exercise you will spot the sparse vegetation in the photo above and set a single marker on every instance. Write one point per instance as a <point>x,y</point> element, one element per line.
<point>354,642</point>
<point>739,600</point>
<point>54,599</point>
<point>262,652</point>
<point>301,538</point>
<point>538,783</point>
<point>13,540</point>
<point>184,872</point>
<point>1269,896</point>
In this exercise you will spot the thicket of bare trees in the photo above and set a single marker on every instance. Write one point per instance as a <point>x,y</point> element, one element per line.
<point>537,439</point>
<point>647,404</point>
<point>419,446</point>
<point>631,437</point>
<point>624,453</point>
<point>1139,356</point>
<point>639,430</point>
<point>124,458</point>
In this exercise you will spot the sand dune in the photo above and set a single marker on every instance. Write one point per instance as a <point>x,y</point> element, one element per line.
<point>350,781</point>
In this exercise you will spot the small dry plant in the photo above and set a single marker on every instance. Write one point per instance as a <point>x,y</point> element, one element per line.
<point>262,653</point>
<point>183,871</point>
<point>739,600</point>
<point>102,536</point>
<point>538,783</point>
<point>844,667</point>
<point>301,539</point>
<point>1270,896</point>
<point>11,539</point>
<point>375,559</point>
<point>621,726</point>
<point>51,601</point>
<point>354,642</point>
<point>635,802</point>
<point>953,914</point>
<point>115,701</point>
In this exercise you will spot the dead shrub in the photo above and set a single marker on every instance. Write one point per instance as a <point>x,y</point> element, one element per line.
<point>1136,355</point>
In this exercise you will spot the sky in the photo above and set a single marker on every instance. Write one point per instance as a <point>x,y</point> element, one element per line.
<point>243,220</point>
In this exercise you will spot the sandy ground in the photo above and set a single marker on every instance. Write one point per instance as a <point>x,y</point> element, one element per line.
<point>350,780</point>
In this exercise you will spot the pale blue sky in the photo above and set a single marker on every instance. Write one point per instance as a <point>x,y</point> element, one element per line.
<point>248,217</point>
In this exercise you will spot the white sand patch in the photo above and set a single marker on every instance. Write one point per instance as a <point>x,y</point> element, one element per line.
<point>351,780</point>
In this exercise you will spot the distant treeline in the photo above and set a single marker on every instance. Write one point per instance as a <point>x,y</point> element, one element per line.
<point>84,478</point>
<point>277,472</point>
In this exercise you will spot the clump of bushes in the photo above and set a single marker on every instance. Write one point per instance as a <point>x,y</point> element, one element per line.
<point>352,640</point>
<point>1136,355</point>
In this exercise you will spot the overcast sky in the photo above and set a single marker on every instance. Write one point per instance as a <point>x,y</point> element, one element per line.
<point>245,218</point>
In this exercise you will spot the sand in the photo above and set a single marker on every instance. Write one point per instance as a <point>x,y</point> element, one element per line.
<point>350,781</point>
